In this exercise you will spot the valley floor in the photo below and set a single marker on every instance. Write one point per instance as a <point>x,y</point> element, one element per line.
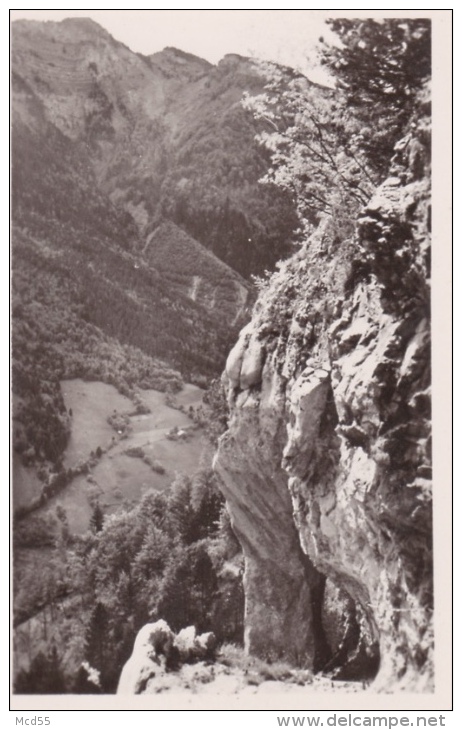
<point>118,479</point>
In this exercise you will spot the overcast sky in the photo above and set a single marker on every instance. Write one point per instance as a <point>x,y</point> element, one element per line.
<point>285,36</point>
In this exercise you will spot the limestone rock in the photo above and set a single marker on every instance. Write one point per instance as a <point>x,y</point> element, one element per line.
<point>281,609</point>
<point>236,356</point>
<point>152,646</point>
<point>205,645</point>
<point>185,642</point>
<point>245,362</point>
<point>252,364</point>
<point>326,463</point>
<point>192,647</point>
<point>156,648</point>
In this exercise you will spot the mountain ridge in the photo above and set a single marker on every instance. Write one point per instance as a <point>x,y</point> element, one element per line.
<point>135,115</point>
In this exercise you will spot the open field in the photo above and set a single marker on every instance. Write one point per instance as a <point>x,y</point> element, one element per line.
<point>117,479</point>
<point>91,404</point>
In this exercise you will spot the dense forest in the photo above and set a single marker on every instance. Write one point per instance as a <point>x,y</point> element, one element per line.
<point>174,555</point>
<point>135,237</point>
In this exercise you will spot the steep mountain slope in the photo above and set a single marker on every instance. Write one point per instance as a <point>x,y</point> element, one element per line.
<point>193,271</point>
<point>75,263</point>
<point>166,135</point>
<point>113,154</point>
<point>106,147</point>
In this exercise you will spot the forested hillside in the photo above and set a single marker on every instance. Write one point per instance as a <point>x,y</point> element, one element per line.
<point>130,175</point>
<point>174,555</point>
<point>165,135</point>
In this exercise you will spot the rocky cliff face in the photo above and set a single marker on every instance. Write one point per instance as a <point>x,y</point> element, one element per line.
<point>326,464</point>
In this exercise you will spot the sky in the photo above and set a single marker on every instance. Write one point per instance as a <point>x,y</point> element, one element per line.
<point>284,36</point>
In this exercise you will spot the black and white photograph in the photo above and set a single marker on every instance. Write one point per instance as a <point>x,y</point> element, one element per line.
<point>222,321</point>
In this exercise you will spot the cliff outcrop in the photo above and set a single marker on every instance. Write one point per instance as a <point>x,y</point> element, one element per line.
<point>326,464</point>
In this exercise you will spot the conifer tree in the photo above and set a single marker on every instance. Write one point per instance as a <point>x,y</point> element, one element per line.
<point>97,519</point>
